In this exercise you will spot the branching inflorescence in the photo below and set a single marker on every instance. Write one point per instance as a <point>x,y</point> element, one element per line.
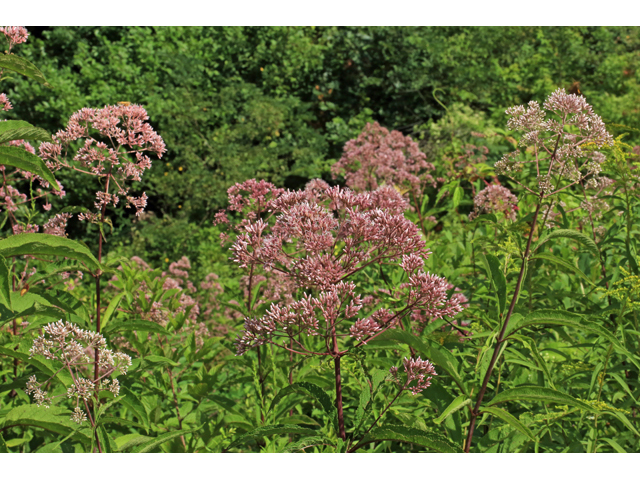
<point>126,136</point>
<point>379,157</point>
<point>495,199</point>
<point>323,239</point>
<point>562,149</point>
<point>71,346</point>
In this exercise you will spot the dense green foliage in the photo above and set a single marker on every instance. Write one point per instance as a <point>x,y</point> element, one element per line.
<point>279,104</point>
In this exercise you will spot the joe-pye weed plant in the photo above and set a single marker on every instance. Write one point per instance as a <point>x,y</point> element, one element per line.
<point>329,243</point>
<point>446,304</point>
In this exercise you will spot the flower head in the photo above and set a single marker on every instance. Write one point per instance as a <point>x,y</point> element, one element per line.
<point>380,157</point>
<point>494,199</point>
<point>421,371</point>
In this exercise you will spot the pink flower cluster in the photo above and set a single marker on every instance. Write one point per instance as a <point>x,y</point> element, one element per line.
<point>379,157</point>
<point>559,141</point>
<point>4,101</point>
<point>495,199</point>
<point>321,239</point>
<point>15,35</point>
<point>128,138</point>
<point>422,371</point>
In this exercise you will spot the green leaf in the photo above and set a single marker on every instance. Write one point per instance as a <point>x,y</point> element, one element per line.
<point>615,445</point>
<point>486,217</point>
<point>531,344</point>
<point>588,243</point>
<point>160,439</point>
<point>35,309</point>
<point>45,244</point>
<point>306,388</point>
<point>113,305</point>
<point>510,419</point>
<point>565,222</point>
<point>567,319</point>
<point>54,447</point>
<point>272,430</point>
<point>454,406</point>
<point>105,406</point>
<point>159,360</point>
<point>458,193</point>
<point>136,407</point>
<point>621,416</point>
<point>539,394</point>
<point>499,281</point>
<point>563,263</point>
<point>400,433</point>
<point>23,67</point>
<point>49,368</point>
<point>108,419</point>
<point>131,440</point>
<point>20,130</point>
<point>53,419</point>
<point>3,445</point>
<point>18,157</point>
<point>363,407</point>
<point>107,444</point>
<point>131,325</point>
<point>16,442</point>
<point>307,442</point>
<point>5,283</point>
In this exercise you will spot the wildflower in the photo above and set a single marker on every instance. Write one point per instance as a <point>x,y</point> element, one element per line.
<point>78,415</point>
<point>123,157</point>
<point>15,35</point>
<point>419,370</point>
<point>70,345</point>
<point>495,199</point>
<point>5,103</point>
<point>379,157</point>
<point>559,140</point>
<point>370,228</point>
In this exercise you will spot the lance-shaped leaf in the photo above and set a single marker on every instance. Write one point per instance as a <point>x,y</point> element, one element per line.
<point>137,325</point>
<point>568,319</point>
<point>107,443</point>
<point>131,440</point>
<point>277,429</point>
<point>620,416</point>
<point>499,281</point>
<point>47,367</point>
<point>539,394</point>
<point>23,67</point>
<point>5,284</point>
<point>20,130</point>
<point>18,157</point>
<point>53,419</point>
<point>305,442</point>
<point>135,406</point>
<point>160,439</point>
<point>587,242</point>
<point>28,305</point>
<point>400,433</point>
<point>510,419</point>
<point>306,388</point>
<point>45,244</point>
<point>563,263</point>
<point>457,403</point>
